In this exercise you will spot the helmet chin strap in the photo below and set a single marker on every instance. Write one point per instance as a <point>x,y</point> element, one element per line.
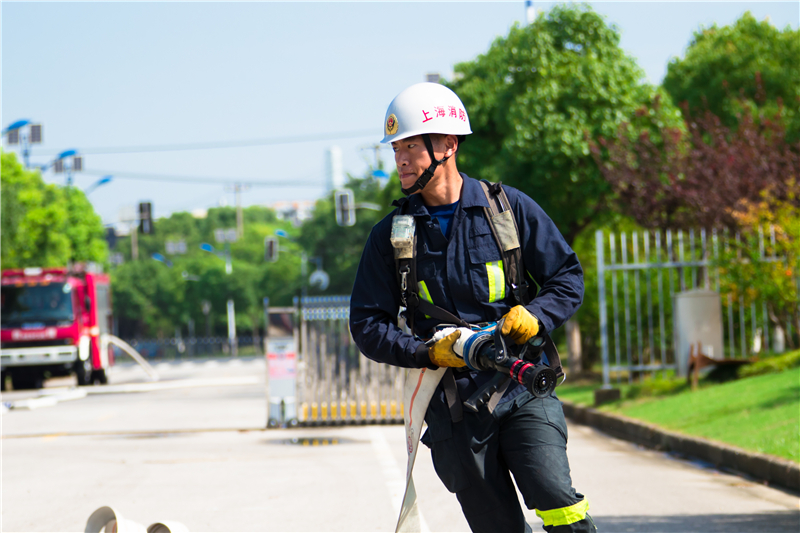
<point>428,174</point>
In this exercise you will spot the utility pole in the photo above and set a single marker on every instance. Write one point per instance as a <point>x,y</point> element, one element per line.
<point>127,215</point>
<point>377,149</point>
<point>237,190</point>
<point>378,162</point>
<point>239,215</point>
<point>134,241</point>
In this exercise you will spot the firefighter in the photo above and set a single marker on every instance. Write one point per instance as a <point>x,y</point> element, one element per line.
<point>459,271</point>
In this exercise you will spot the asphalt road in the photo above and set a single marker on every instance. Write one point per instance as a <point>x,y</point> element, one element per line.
<point>193,450</point>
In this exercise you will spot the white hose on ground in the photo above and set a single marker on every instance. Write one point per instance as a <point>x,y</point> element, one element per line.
<point>130,350</point>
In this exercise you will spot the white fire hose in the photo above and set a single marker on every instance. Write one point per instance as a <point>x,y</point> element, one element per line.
<point>108,519</point>
<point>417,393</point>
<point>130,350</point>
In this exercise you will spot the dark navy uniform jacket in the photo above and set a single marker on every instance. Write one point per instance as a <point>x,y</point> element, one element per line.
<point>463,275</point>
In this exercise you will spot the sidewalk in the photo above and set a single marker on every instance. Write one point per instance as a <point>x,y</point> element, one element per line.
<point>766,468</point>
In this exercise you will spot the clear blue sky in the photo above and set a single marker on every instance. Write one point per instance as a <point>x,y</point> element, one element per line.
<point>107,74</point>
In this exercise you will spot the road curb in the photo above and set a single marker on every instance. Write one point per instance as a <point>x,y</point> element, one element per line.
<point>762,467</point>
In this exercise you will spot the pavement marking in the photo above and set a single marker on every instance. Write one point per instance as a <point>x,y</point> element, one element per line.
<point>47,398</point>
<point>189,363</point>
<point>132,433</point>
<point>395,480</point>
<point>176,384</point>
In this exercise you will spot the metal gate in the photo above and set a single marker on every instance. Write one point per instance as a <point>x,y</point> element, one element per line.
<point>644,271</point>
<point>336,383</point>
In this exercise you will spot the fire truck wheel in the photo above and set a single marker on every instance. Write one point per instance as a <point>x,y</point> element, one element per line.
<point>27,380</point>
<point>99,376</point>
<point>83,371</point>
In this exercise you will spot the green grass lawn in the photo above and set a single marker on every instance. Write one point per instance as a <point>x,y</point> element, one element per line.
<point>760,413</point>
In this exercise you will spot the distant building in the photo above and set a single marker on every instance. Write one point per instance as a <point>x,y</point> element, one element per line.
<point>334,172</point>
<point>295,211</point>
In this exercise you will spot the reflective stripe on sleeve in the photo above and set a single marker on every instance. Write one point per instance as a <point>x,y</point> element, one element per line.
<point>565,515</point>
<point>497,280</point>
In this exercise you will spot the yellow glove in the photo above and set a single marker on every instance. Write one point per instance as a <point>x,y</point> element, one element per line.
<point>520,325</point>
<point>442,354</point>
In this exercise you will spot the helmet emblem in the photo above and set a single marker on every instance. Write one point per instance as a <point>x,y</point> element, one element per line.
<point>391,125</point>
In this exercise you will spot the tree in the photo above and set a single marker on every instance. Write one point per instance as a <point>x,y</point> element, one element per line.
<point>722,66</point>
<point>84,228</point>
<point>754,268</point>
<point>153,299</point>
<point>698,178</point>
<point>536,100</point>
<point>44,224</point>
<point>538,97</point>
<point>149,295</point>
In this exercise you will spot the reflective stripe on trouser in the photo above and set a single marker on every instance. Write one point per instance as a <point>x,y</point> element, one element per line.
<point>497,280</point>
<point>424,293</point>
<point>476,458</point>
<point>565,515</point>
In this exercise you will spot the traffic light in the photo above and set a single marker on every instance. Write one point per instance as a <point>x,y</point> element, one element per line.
<point>111,238</point>
<point>146,218</point>
<point>345,207</point>
<point>271,249</point>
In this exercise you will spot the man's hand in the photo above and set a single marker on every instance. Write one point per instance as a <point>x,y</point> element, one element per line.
<point>441,352</point>
<point>520,325</point>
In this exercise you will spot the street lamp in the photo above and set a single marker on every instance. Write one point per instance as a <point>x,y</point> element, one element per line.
<point>15,134</point>
<point>102,181</point>
<point>185,275</point>
<point>226,256</point>
<point>231,312</point>
<point>161,259</point>
<point>60,164</point>
<point>206,307</point>
<point>319,277</point>
<point>530,12</point>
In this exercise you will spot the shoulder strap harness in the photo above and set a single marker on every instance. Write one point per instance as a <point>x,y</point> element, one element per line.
<point>504,228</point>
<point>506,234</point>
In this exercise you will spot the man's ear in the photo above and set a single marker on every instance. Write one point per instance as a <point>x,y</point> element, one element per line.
<point>450,145</point>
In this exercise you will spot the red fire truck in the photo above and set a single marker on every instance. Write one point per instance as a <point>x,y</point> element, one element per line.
<point>54,323</point>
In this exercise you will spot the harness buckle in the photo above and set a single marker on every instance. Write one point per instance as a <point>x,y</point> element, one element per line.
<point>520,292</point>
<point>404,278</point>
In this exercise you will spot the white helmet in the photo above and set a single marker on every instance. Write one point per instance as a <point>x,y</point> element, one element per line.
<point>425,108</point>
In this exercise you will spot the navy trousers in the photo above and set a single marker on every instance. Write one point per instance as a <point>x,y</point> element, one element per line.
<point>476,458</point>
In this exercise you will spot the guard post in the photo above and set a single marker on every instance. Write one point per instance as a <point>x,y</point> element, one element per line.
<point>280,349</point>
